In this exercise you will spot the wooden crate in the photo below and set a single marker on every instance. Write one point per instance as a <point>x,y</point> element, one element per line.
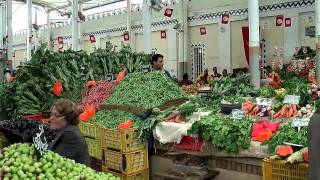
<point>125,163</point>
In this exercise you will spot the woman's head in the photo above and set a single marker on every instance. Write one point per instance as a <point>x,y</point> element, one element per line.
<point>64,113</point>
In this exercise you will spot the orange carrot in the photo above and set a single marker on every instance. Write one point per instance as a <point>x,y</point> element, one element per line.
<point>282,111</point>
<point>290,111</point>
<point>295,111</point>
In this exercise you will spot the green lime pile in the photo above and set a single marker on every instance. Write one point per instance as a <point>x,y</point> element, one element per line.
<point>19,161</point>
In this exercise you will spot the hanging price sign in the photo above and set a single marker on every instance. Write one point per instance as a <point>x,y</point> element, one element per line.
<point>300,122</point>
<point>237,114</point>
<point>40,142</point>
<point>291,99</point>
<point>264,101</point>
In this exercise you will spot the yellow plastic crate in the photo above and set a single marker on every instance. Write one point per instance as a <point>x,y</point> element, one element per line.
<point>94,148</point>
<point>141,175</point>
<point>123,140</point>
<point>279,170</point>
<point>90,130</point>
<point>125,163</point>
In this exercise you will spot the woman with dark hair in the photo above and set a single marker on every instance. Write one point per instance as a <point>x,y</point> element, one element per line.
<point>69,142</point>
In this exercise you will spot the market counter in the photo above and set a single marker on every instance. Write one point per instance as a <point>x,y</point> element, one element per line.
<point>254,151</point>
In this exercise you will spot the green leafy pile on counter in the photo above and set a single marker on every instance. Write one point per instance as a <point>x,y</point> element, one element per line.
<point>288,134</point>
<point>299,87</point>
<point>267,92</point>
<point>31,93</point>
<point>238,86</point>
<point>224,132</point>
<point>146,90</point>
<point>35,80</point>
<point>7,103</point>
<point>107,61</point>
<point>111,119</point>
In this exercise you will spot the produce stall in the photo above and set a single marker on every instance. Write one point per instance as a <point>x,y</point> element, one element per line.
<point>128,115</point>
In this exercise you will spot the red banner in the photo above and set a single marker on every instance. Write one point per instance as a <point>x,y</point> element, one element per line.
<point>245,38</point>
<point>168,12</point>
<point>126,36</point>
<point>163,34</point>
<point>279,20</point>
<point>287,22</point>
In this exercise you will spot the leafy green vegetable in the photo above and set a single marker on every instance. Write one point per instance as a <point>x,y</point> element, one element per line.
<point>267,92</point>
<point>239,86</point>
<point>289,134</point>
<point>299,87</point>
<point>224,132</point>
<point>146,90</point>
<point>31,93</point>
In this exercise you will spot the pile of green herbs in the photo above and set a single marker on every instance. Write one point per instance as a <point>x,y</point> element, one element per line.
<point>298,87</point>
<point>224,132</point>
<point>229,86</point>
<point>287,134</point>
<point>31,93</point>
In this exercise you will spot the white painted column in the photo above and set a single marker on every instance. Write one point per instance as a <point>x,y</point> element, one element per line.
<point>2,24</point>
<point>133,41</point>
<point>3,27</point>
<point>9,30</point>
<point>49,39</point>
<point>147,26</point>
<point>171,62</point>
<point>129,21</point>
<point>186,51</point>
<point>36,38</point>
<point>29,29</point>
<point>183,39</point>
<point>98,42</point>
<point>81,27</point>
<point>254,42</point>
<point>290,43</point>
<point>224,47</point>
<point>75,26</point>
<point>317,23</point>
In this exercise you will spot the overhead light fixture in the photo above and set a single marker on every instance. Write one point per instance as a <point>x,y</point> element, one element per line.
<point>156,4</point>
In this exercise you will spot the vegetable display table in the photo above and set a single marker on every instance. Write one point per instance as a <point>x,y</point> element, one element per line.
<point>254,151</point>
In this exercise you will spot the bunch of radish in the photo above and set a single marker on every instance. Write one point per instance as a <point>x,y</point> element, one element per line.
<point>305,112</point>
<point>314,92</point>
<point>263,111</point>
<point>99,93</point>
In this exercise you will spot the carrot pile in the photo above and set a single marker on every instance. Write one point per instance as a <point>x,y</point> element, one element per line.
<point>248,107</point>
<point>288,111</point>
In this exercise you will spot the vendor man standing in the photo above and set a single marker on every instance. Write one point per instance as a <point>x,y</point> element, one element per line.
<point>157,65</point>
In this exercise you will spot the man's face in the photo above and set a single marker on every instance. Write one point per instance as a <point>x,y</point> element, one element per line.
<point>206,72</point>
<point>158,65</point>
